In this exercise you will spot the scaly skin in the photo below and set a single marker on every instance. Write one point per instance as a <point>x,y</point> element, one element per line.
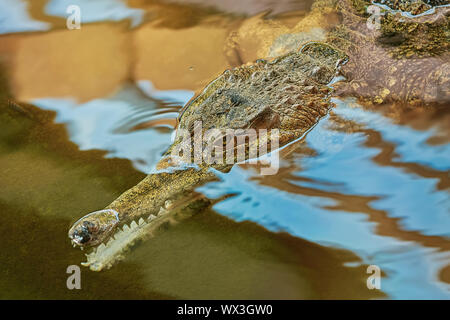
<point>289,94</point>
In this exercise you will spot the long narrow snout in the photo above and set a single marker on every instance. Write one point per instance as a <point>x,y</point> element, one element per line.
<point>94,228</point>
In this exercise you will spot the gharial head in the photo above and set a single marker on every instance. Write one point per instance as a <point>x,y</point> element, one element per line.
<point>94,228</point>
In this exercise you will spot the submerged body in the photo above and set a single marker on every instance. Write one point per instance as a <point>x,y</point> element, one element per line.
<point>290,94</point>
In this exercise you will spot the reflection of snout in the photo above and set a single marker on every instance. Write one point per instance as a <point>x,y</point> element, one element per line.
<point>94,228</point>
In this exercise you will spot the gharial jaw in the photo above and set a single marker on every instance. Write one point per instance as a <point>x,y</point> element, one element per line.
<point>106,254</point>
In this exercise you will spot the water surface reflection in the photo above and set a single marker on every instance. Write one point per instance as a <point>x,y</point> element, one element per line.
<point>333,191</point>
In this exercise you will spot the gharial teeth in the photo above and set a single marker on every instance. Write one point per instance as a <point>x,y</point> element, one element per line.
<point>161,211</point>
<point>118,234</point>
<point>96,266</point>
<point>126,228</point>
<point>133,224</point>
<point>167,204</point>
<point>151,217</point>
<point>141,221</point>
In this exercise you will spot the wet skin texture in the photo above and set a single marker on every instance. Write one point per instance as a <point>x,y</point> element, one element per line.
<point>288,94</point>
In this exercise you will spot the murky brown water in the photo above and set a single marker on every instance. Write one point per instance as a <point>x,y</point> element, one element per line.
<point>96,108</point>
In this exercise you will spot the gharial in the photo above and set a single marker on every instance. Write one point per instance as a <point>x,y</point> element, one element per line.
<point>404,60</point>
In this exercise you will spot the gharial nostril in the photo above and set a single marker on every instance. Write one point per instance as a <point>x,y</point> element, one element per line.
<point>93,227</point>
<point>80,237</point>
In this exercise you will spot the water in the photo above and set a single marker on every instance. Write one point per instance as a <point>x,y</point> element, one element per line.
<point>366,186</point>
